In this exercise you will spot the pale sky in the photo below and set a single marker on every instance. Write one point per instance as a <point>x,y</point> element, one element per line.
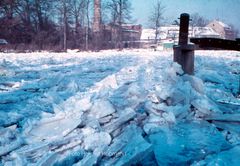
<point>227,11</point>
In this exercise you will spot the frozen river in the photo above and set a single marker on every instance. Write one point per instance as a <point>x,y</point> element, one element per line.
<point>119,108</point>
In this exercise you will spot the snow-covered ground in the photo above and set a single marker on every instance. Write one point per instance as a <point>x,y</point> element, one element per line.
<point>119,108</point>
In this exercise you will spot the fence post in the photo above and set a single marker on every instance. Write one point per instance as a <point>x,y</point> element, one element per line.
<point>184,52</point>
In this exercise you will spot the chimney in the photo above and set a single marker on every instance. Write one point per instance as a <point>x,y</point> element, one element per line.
<point>97,16</point>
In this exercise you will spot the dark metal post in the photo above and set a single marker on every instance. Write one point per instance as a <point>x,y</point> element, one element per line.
<point>183,32</point>
<point>184,52</point>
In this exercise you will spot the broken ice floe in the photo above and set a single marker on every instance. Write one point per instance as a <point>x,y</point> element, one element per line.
<point>148,114</point>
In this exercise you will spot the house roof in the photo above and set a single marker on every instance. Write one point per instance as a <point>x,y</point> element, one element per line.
<point>148,34</point>
<point>205,32</point>
<point>221,23</point>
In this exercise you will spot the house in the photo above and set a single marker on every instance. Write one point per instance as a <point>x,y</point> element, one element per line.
<point>168,36</point>
<point>202,32</point>
<point>131,35</point>
<point>127,36</point>
<point>223,29</point>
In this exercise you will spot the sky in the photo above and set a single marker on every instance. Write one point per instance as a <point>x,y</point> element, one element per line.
<point>227,11</point>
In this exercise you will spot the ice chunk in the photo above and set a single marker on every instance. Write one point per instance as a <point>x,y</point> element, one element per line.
<point>224,117</point>
<point>230,157</point>
<point>48,159</point>
<point>229,126</point>
<point>88,131</point>
<point>36,153</point>
<point>88,160</point>
<point>55,127</point>
<point>135,151</point>
<point>177,97</point>
<point>203,106</point>
<point>9,141</point>
<point>126,115</point>
<point>178,68</point>
<point>169,117</point>
<point>154,98</point>
<point>163,91</point>
<point>151,128</point>
<point>156,119</point>
<point>92,123</point>
<point>127,74</point>
<point>105,119</point>
<point>70,158</point>
<point>179,111</point>
<point>211,76</point>
<point>9,118</point>
<point>84,104</point>
<point>121,141</point>
<point>134,90</point>
<point>195,82</point>
<point>102,108</point>
<point>153,108</point>
<point>186,143</point>
<point>159,113</point>
<point>97,140</point>
<point>72,87</point>
<point>91,159</point>
<point>7,148</point>
<point>108,82</point>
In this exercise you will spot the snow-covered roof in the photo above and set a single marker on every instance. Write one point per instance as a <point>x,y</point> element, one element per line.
<point>223,24</point>
<point>205,32</point>
<point>167,32</point>
<point>164,33</point>
<point>148,34</point>
<point>220,23</point>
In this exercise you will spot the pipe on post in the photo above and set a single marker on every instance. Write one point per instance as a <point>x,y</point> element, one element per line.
<point>184,52</point>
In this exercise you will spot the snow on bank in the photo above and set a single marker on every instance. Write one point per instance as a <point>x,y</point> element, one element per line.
<point>118,108</point>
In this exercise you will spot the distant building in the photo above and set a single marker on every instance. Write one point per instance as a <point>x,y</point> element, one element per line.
<point>166,38</point>
<point>148,35</point>
<point>221,28</point>
<point>131,35</point>
<point>168,35</point>
<point>201,32</point>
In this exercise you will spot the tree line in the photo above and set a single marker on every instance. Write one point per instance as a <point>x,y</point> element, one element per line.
<point>67,24</point>
<point>56,24</point>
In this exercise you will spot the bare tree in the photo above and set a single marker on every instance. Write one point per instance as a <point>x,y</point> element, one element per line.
<point>156,18</point>
<point>64,25</point>
<point>120,13</point>
<point>64,9</point>
<point>198,21</point>
<point>87,15</point>
<point>77,11</point>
